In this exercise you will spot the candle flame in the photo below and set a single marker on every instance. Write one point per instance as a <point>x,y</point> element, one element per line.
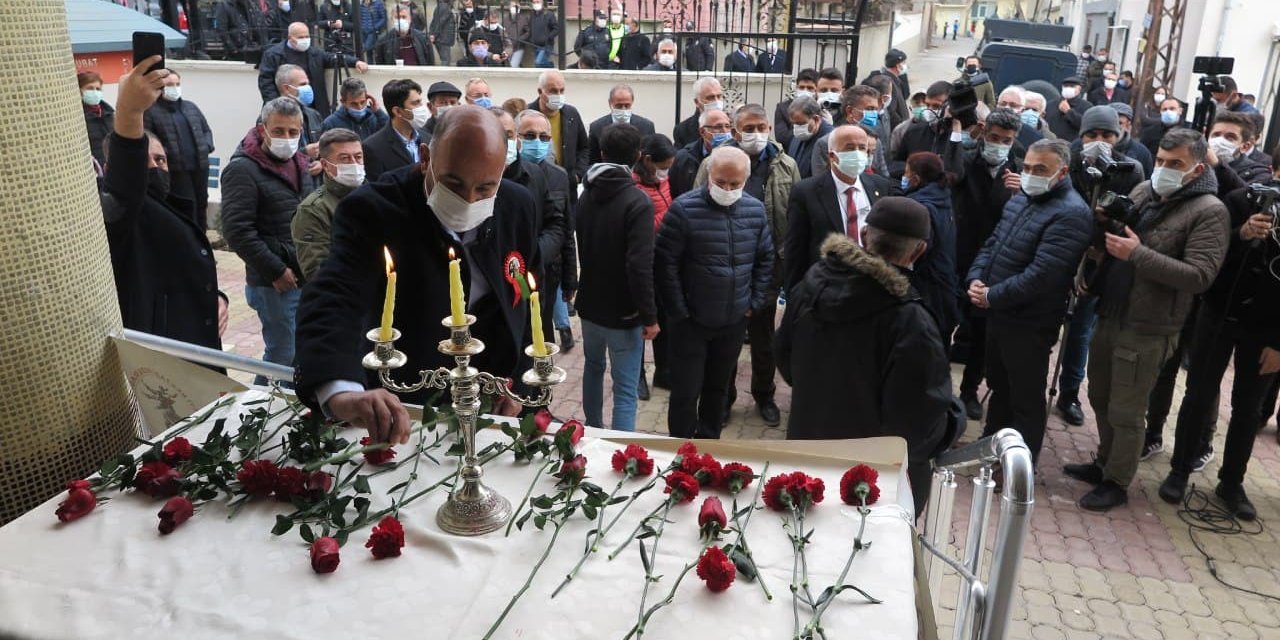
<point>452,256</point>
<point>386,254</point>
<point>533,284</point>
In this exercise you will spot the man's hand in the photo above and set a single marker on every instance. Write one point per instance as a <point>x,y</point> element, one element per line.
<point>504,406</point>
<point>223,316</point>
<point>373,103</point>
<point>1081,286</point>
<point>286,281</point>
<point>138,91</point>
<point>1012,181</point>
<point>361,67</point>
<point>1256,227</point>
<point>1122,246</point>
<point>1211,157</point>
<point>315,168</point>
<point>336,24</point>
<point>978,294</point>
<point>313,150</point>
<point>1064,106</point>
<point>379,411</point>
<point>956,127</point>
<point>1270,361</point>
<point>650,331</point>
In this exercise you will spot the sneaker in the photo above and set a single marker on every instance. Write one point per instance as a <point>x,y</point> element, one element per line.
<point>642,389</point>
<point>1071,411</point>
<point>1104,497</point>
<point>1174,488</point>
<point>1086,472</point>
<point>972,406</point>
<point>1236,501</point>
<point>1151,448</point>
<point>769,411</point>
<point>1204,459</point>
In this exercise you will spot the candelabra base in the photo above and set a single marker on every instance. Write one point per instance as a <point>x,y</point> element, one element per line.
<point>473,509</point>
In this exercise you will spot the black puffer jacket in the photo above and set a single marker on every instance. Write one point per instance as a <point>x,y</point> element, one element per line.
<point>162,120</point>
<point>615,245</point>
<point>934,275</point>
<point>1246,287</point>
<point>713,263</point>
<point>1031,258</point>
<point>99,126</point>
<point>259,198</point>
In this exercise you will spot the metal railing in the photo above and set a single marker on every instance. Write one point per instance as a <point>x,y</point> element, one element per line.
<point>210,357</point>
<point>984,607</point>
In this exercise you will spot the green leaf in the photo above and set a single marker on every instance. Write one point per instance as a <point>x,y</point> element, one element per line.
<point>589,511</point>
<point>109,466</point>
<point>644,559</point>
<point>540,521</point>
<point>283,525</point>
<point>307,534</point>
<point>362,484</point>
<point>746,568</point>
<point>456,450</point>
<point>543,502</point>
<point>341,536</point>
<point>523,519</point>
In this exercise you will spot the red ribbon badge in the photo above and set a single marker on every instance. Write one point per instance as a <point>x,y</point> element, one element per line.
<point>514,270</point>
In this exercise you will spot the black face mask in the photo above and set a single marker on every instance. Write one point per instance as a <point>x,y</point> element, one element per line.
<point>970,69</point>
<point>158,183</point>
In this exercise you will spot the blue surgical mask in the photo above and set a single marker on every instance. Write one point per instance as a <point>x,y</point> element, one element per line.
<point>306,95</point>
<point>718,139</point>
<point>512,151</point>
<point>1170,118</point>
<point>534,150</point>
<point>1030,118</point>
<point>480,51</point>
<point>358,113</point>
<point>484,101</point>
<point>905,183</point>
<point>870,118</point>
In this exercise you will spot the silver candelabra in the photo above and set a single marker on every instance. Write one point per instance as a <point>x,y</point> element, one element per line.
<point>472,508</point>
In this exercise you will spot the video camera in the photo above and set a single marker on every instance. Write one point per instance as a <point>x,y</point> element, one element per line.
<point>1263,196</point>
<point>1118,209</point>
<point>1211,67</point>
<point>963,101</point>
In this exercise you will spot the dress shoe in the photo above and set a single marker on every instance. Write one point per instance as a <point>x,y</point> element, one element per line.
<point>1104,497</point>
<point>1236,501</point>
<point>1174,488</point>
<point>566,340</point>
<point>769,411</point>
<point>1086,472</point>
<point>642,389</point>
<point>1071,411</point>
<point>972,407</point>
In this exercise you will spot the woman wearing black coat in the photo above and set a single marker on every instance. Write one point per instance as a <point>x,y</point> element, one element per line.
<point>934,275</point>
<point>99,117</point>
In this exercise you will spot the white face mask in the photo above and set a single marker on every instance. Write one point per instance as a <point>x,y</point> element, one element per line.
<point>724,197</point>
<point>801,132</point>
<point>1225,149</point>
<point>803,93</point>
<point>302,44</point>
<point>455,213</point>
<point>661,174</point>
<point>173,94</point>
<point>349,175</point>
<point>1109,83</point>
<point>283,148</point>
<point>667,59</point>
<point>828,97</point>
<point>420,116</point>
<point>714,105</point>
<point>402,25</point>
<point>1070,92</point>
<point>1159,98</point>
<point>513,151</point>
<point>1033,185</point>
<point>1096,149</point>
<point>753,143</point>
<point>995,154</point>
<point>851,163</point>
<point>600,23</point>
<point>621,115</point>
<point>1165,181</point>
<point>555,102</point>
<point>537,6</point>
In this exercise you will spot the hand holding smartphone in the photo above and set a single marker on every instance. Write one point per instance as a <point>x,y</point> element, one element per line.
<point>145,45</point>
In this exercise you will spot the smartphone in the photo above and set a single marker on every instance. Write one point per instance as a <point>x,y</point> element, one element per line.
<point>147,44</point>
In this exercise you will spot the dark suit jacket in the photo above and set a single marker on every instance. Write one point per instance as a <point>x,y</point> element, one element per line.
<point>771,62</point>
<point>738,62</point>
<point>686,131</point>
<point>384,151</point>
<point>345,299</point>
<point>1098,95</point>
<point>813,213</point>
<point>387,49</point>
<point>573,143</point>
<point>642,123</point>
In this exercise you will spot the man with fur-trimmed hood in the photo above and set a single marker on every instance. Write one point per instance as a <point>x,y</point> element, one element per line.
<point>869,360</point>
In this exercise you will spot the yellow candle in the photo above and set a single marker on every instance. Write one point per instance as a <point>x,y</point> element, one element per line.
<point>535,318</point>
<point>457,308</point>
<point>388,303</point>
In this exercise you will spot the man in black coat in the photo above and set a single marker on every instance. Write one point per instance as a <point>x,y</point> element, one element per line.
<point>739,60</point>
<point>834,201</point>
<point>861,351</point>
<point>772,59</point>
<point>699,52</point>
<point>443,31</point>
<point>485,220</point>
<point>707,94</point>
<point>404,43</point>
<point>806,85</point>
<point>572,156</point>
<point>184,132</point>
<point>396,145</point>
<point>1064,116</point>
<point>595,38</point>
<point>1171,117</point>
<point>895,66</point>
<point>166,278</point>
<point>297,50</point>
<point>715,130</point>
<point>286,12</point>
<point>534,131</point>
<point>621,101</point>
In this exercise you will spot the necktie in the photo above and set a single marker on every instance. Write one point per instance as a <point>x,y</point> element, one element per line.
<point>851,212</point>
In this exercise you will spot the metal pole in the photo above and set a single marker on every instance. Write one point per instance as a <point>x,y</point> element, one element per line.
<point>851,69</point>
<point>942,498</point>
<point>1015,519</point>
<point>983,487</point>
<point>207,356</point>
<point>564,26</point>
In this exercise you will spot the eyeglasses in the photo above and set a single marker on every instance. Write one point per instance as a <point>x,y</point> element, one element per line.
<point>531,136</point>
<point>718,127</point>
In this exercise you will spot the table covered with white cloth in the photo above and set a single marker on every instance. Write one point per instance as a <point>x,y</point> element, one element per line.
<point>111,575</point>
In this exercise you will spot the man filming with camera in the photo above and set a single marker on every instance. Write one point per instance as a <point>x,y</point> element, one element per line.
<point>1240,314</point>
<point>1168,251</point>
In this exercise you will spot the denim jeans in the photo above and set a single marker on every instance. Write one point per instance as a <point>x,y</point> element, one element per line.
<point>625,349</point>
<point>1075,350</point>
<point>560,313</point>
<point>444,55</point>
<point>278,313</point>
<point>542,58</point>
<point>517,56</point>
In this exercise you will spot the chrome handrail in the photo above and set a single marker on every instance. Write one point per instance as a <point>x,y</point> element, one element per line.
<point>984,609</point>
<point>207,356</point>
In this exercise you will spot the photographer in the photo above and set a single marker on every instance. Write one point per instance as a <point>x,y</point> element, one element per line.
<point>1097,168</point>
<point>1169,251</point>
<point>1239,314</point>
<point>940,133</point>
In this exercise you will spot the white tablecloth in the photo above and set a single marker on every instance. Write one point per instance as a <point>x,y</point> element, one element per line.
<point>111,574</point>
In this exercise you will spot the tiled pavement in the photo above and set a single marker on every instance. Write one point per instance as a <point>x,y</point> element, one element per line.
<point>1130,573</point>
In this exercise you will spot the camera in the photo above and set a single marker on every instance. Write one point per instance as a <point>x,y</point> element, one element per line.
<point>1120,212</point>
<point>963,101</point>
<point>1263,196</point>
<point>1211,67</point>
<point>1105,169</point>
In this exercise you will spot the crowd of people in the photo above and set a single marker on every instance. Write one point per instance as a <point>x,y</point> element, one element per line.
<point>900,231</point>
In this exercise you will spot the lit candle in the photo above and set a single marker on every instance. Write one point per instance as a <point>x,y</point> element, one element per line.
<point>388,303</point>
<point>457,308</point>
<point>535,318</point>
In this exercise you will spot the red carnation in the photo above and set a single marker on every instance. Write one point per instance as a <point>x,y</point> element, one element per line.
<point>542,420</point>
<point>317,484</point>
<point>377,456</point>
<point>80,501</point>
<point>290,483</point>
<point>175,511</point>
<point>858,486</point>
<point>258,477</point>
<point>783,491</point>
<point>705,468</point>
<point>177,451</point>
<point>573,470</point>
<point>634,461</point>
<point>324,555</point>
<point>736,477</point>
<point>386,540</point>
<point>575,430</point>
<point>682,486</point>
<point>716,569</point>
<point>711,518</point>
<point>687,449</point>
<point>157,479</point>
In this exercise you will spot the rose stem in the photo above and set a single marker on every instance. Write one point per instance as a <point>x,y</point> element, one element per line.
<point>857,546</point>
<point>741,541</point>
<point>529,492</point>
<point>594,546</point>
<point>636,531</point>
<point>653,557</point>
<point>529,580</point>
